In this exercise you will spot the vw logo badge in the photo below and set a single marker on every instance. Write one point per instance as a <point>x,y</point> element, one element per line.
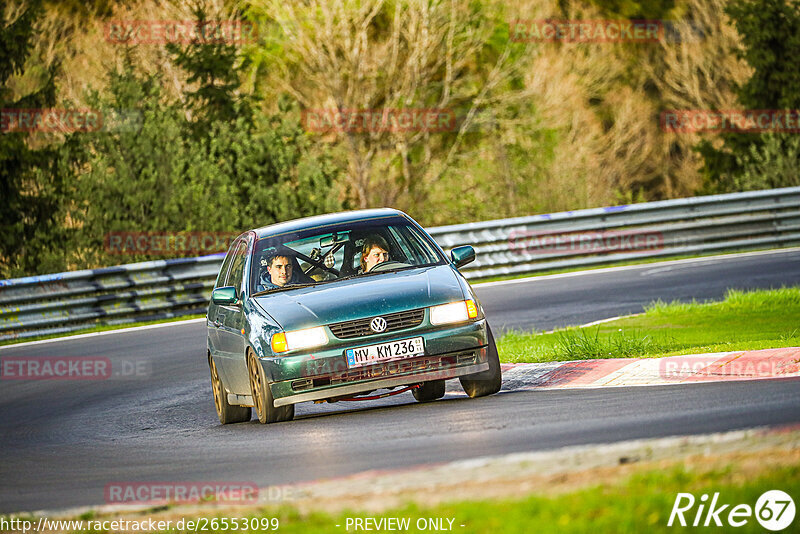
<point>378,324</point>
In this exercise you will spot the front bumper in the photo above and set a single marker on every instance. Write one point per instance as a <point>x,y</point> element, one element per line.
<point>449,353</point>
<point>364,386</point>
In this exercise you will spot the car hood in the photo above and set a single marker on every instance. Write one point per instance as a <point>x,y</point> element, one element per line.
<point>361,297</point>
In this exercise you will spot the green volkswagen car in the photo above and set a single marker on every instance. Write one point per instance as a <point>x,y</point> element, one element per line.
<point>347,306</point>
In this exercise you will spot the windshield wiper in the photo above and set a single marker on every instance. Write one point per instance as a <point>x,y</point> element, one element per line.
<point>284,288</point>
<point>348,277</point>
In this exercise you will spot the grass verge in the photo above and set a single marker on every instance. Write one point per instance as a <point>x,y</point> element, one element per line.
<point>741,321</point>
<point>626,498</point>
<point>642,503</point>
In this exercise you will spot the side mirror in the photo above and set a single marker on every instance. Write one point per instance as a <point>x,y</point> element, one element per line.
<point>462,255</point>
<point>224,295</point>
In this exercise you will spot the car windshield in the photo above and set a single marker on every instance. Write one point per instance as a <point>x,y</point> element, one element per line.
<point>329,253</point>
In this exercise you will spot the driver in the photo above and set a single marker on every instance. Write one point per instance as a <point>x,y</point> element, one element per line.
<point>374,251</point>
<point>278,272</point>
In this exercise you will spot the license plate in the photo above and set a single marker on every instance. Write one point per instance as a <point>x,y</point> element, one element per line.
<point>405,348</point>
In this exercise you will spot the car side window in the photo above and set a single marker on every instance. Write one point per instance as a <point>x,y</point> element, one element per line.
<point>422,248</point>
<point>236,274</point>
<point>226,264</point>
<point>401,242</point>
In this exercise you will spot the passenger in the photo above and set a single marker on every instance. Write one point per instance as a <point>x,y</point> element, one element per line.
<point>278,273</point>
<point>374,251</point>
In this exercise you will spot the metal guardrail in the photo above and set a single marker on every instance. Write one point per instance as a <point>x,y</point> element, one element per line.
<point>65,302</point>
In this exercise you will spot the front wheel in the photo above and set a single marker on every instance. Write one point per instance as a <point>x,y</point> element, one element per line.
<point>226,412</point>
<point>429,391</point>
<point>486,382</point>
<point>262,395</point>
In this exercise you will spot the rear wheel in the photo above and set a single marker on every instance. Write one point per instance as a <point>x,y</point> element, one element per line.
<point>262,395</point>
<point>486,382</point>
<point>227,413</point>
<point>429,391</point>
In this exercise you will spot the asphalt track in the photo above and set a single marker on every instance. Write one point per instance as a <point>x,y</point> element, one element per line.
<point>62,442</point>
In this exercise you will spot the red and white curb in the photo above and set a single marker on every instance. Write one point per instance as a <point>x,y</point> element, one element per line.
<point>714,367</point>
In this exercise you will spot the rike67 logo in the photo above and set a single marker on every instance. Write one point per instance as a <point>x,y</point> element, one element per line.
<point>774,510</point>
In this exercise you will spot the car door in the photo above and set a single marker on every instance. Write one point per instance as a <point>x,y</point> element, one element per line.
<point>212,317</point>
<point>231,319</point>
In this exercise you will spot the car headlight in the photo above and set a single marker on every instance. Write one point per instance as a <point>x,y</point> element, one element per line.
<point>455,312</point>
<point>299,339</point>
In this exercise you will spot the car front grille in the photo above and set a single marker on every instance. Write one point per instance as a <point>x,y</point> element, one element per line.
<point>388,369</point>
<point>394,321</point>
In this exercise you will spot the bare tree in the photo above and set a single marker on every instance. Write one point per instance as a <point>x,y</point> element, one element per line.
<point>351,55</point>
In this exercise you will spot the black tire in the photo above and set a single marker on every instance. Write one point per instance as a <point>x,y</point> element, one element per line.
<point>227,413</point>
<point>262,395</point>
<point>486,382</point>
<point>429,391</point>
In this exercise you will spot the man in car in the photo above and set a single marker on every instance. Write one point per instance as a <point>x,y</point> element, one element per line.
<point>278,273</point>
<point>374,251</point>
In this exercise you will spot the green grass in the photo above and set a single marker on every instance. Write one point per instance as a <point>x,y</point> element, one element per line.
<point>639,503</point>
<point>634,502</point>
<point>742,321</point>
<point>631,503</point>
<point>642,504</point>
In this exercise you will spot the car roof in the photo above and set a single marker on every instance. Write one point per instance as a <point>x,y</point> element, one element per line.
<point>324,220</point>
